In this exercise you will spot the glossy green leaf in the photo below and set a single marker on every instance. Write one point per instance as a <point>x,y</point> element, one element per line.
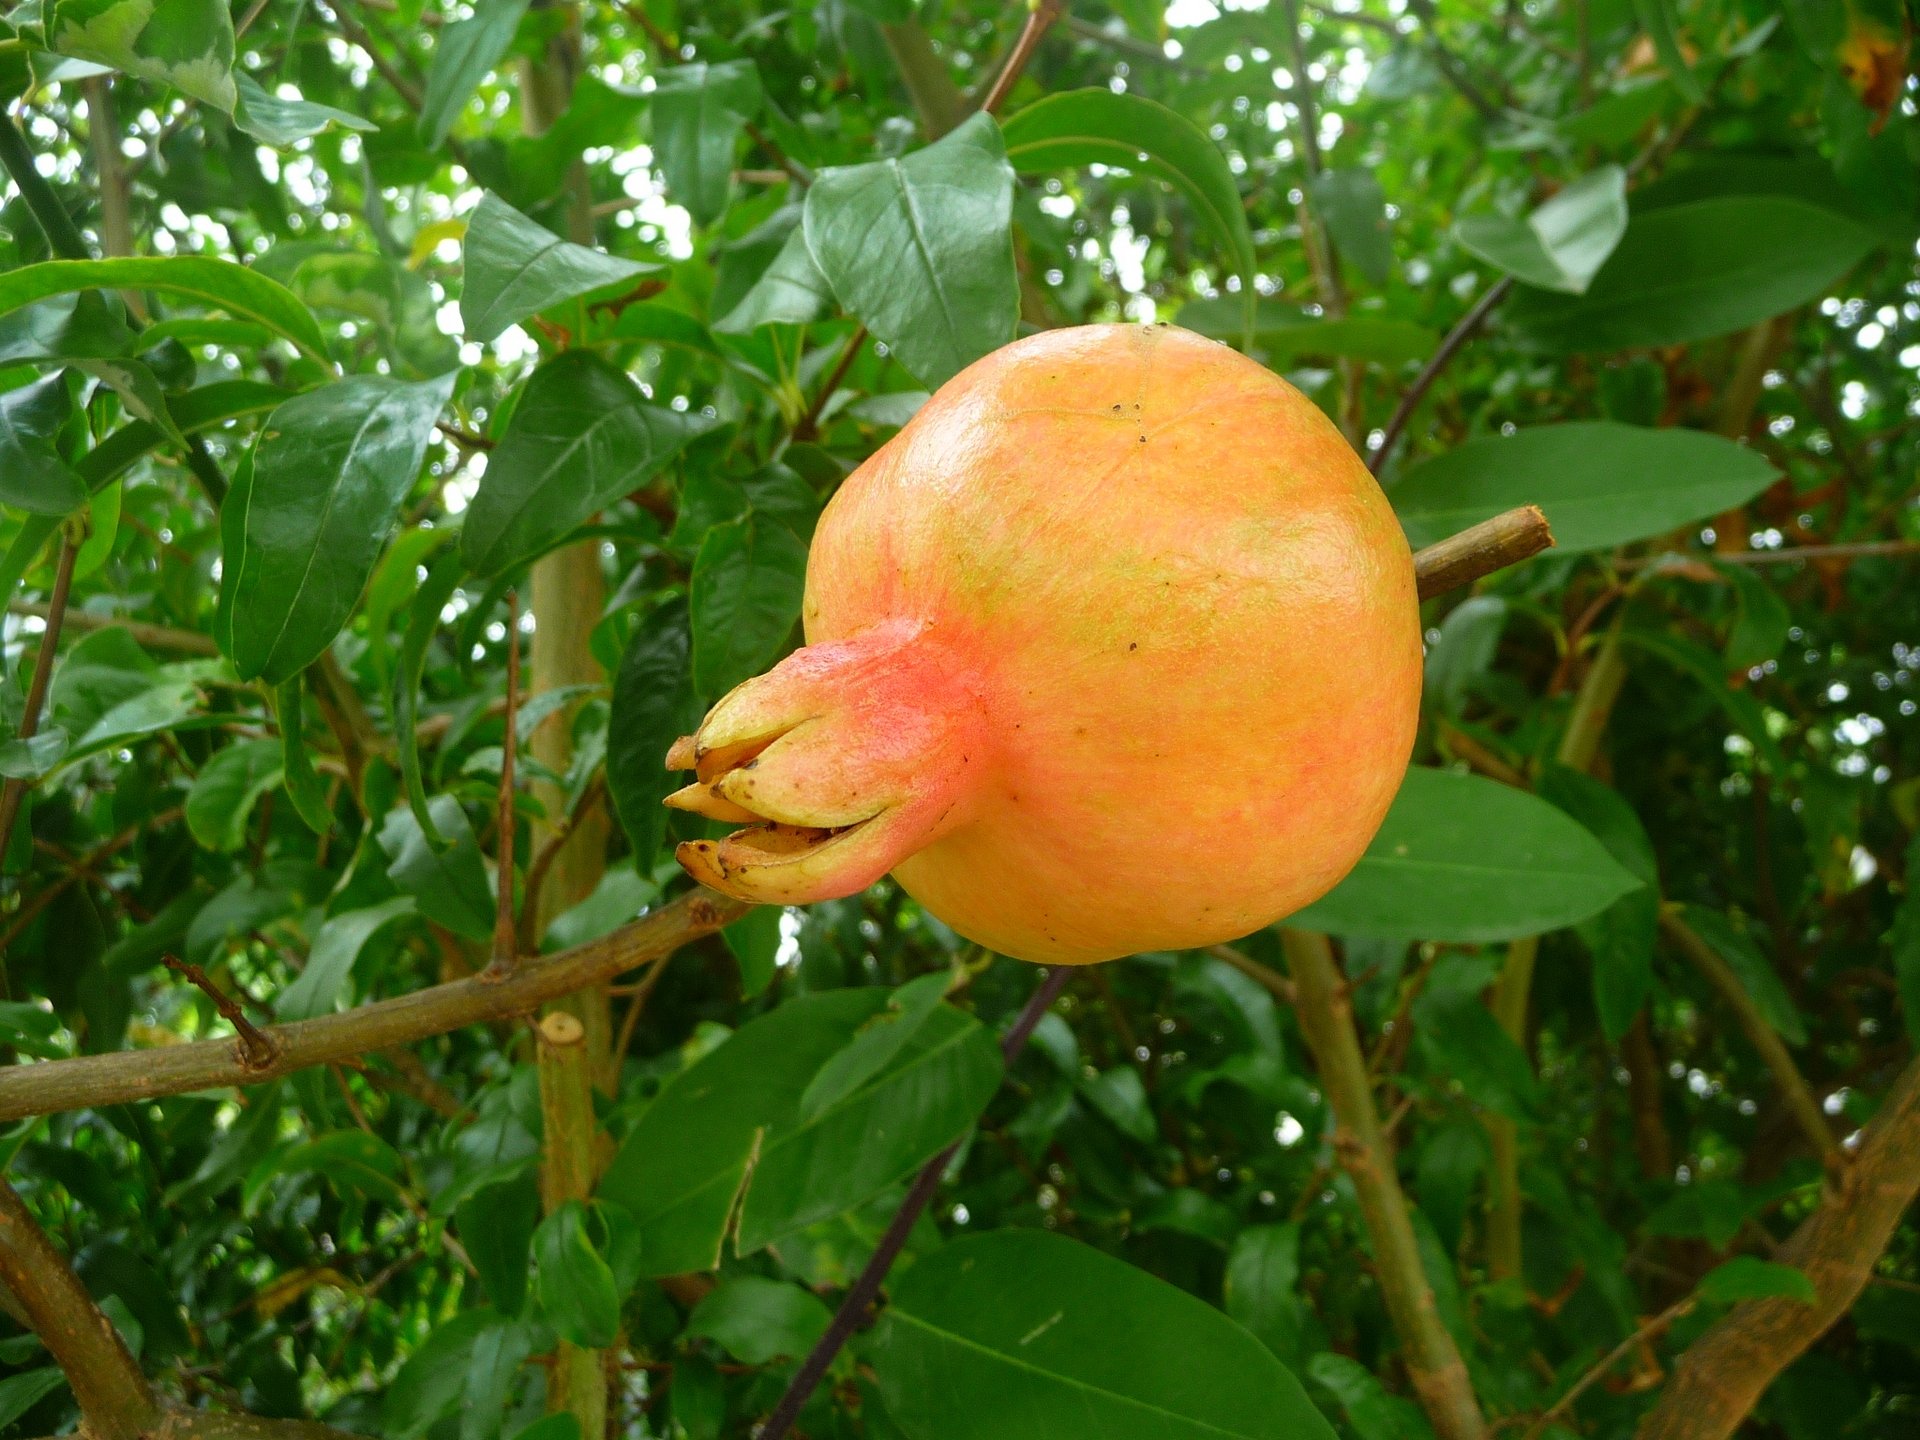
<point>653,705</point>
<point>1754,971</point>
<point>423,621</point>
<point>875,1045</point>
<point>1283,332</point>
<point>20,1392</point>
<point>748,581</point>
<point>329,472</point>
<point>734,1113</point>
<point>1262,1287</point>
<point>450,884</point>
<point>572,1279</point>
<point>1373,1412</point>
<point>465,52</point>
<point>758,1321</point>
<point>1469,860</point>
<point>699,112</point>
<point>1621,937</point>
<point>1354,210</point>
<point>1601,484</point>
<point>221,284</point>
<point>1746,1277</point>
<point>754,940</point>
<point>1096,126</point>
<point>496,1224</point>
<point>581,437</point>
<point>790,291</point>
<point>1026,1335</point>
<point>336,946</point>
<point>222,798</point>
<point>1458,1040</point>
<point>309,796</point>
<point>1904,942</point>
<point>516,268</point>
<point>1693,271</point>
<point>1709,671</point>
<point>276,120</point>
<point>430,1383</point>
<point>1662,24</point>
<point>84,324</point>
<point>34,477</point>
<point>1563,243</point>
<point>187,44</point>
<point>921,248</point>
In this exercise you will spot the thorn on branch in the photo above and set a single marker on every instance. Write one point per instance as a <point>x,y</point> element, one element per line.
<point>257,1050</point>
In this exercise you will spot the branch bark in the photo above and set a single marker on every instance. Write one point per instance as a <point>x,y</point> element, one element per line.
<point>1478,551</point>
<point>1433,1361</point>
<point>578,1380</point>
<point>1723,1374</point>
<point>94,1080</point>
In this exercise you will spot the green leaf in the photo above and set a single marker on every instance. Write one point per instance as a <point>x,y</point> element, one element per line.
<point>1621,937</point>
<point>875,1045</point>
<point>653,705</point>
<point>735,1112</point>
<point>1761,619</point>
<point>318,988</point>
<point>747,585</point>
<point>1601,483</point>
<point>699,111</point>
<point>423,620</point>
<point>465,53</point>
<point>1458,1038</point>
<point>223,794</point>
<point>33,475</point>
<point>1096,126</point>
<point>20,1393</point>
<point>430,1383</point>
<point>754,940</point>
<point>1459,660</point>
<point>281,122</point>
<point>348,1160</point>
<point>1283,332</point>
<point>450,884</point>
<point>1904,942</point>
<point>581,437</point>
<point>1469,860</point>
<point>187,44</point>
<point>758,1321</point>
<point>790,291</point>
<point>329,472</point>
<point>516,268</point>
<point>239,291</point>
<point>1657,18</point>
<point>1693,271</point>
<point>1754,971</point>
<point>309,796</point>
<point>1372,1412</point>
<point>921,248</point>
<point>1354,209</point>
<point>1026,1335</point>
<point>1746,1277</point>
<point>1564,242</point>
<point>573,1281</point>
<point>1709,671</point>
<point>496,1224</point>
<point>1262,1287</point>
<point>83,325</point>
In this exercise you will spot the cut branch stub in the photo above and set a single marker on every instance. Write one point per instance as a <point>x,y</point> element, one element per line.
<point>1481,549</point>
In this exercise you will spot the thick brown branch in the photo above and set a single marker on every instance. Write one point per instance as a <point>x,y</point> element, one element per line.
<point>1484,548</point>
<point>1722,1375</point>
<point>111,1079</point>
<point>116,1403</point>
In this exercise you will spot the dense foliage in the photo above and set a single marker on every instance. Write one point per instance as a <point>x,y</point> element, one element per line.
<point>347,345</point>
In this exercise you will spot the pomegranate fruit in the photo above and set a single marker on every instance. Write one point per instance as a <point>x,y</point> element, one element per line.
<point>1114,647</point>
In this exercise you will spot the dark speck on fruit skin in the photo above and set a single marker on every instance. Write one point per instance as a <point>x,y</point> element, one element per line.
<point>1135,645</point>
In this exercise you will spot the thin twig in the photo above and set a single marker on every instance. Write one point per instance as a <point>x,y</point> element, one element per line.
<point>809,424</point>
<point>1786,555</point>
<point>1430,372</point>
<point>550,849</point>
<point>866,1288</point>
<point>257,1051</point>
<point>1040,17</point>
<point>15,789</point>
<point>147,635</point>
<point>1651,1330</point>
